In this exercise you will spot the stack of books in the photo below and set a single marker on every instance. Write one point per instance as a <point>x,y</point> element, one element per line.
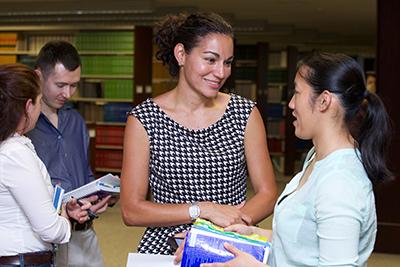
<point>205,243</point>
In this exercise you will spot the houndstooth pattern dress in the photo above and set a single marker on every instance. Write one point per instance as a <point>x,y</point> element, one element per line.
<point>193,165</point>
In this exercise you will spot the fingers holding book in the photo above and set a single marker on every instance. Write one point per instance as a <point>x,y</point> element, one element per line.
<point>77,210</point>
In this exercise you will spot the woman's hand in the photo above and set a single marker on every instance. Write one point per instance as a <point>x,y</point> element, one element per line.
<point>179,252</point>
<point>223,215</point>
<point>248,230</point>
<point>241,259</point>
<point>74,211</point>
<point>240,228</point>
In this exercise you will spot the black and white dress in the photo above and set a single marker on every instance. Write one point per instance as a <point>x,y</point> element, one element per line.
<point>189,165</point>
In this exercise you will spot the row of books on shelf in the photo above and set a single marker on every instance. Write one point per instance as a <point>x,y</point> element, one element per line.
<point>108,135</point>
<point>34,42</point>
<point>8,42</point>
<point>276,145</point>
<point>245,52</point>
<point>276,128</point>
<point>277,60</point>
<point>247,90</point>
<point>8,39</point>
<point>84,41</point>
<point>114,89</point>
<point>107,65</point>
<point>109,140</point>
<point>246,73</point>
<point>108,158</point>
<point>277,76</point>
<point>276,110</point>
<point>105,41</point>
<point>107,112</point>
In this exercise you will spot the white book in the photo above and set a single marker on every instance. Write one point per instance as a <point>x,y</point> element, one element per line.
<point>103,186</point>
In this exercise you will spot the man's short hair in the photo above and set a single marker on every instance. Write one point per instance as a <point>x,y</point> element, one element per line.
<point>55,52</point>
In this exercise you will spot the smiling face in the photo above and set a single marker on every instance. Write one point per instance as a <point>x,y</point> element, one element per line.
<point>302,104</point>
<point>59,86</point>
<point>208,65</point>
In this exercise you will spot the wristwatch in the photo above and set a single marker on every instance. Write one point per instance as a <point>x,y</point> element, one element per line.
<point>194,211</point>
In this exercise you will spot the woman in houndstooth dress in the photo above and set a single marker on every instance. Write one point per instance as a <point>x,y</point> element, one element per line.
<point>193,146</point>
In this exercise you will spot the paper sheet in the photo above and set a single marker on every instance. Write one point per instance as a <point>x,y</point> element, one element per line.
<point>150,260</point>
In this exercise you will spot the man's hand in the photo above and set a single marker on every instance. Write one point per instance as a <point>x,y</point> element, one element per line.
<point>98,205</point>
<point>75,211</point>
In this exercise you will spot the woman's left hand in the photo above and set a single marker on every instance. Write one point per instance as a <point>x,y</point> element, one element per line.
<point>241,259</point>
<point>179,251</point>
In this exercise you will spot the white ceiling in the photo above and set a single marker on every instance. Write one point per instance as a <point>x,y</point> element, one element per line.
<point>330,24</point>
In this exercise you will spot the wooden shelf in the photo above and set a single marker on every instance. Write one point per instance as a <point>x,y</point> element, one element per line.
<point>107,170</point>
<point>276,84</point>
<point>67,27</point>
<point>101,76</point>
<point>100,101</point>
<point>246,63</point>
<point>109,147</point>
<point>107,53</point>
<point>244,81</point>
<point>82,53</point>
<point>110,123</point>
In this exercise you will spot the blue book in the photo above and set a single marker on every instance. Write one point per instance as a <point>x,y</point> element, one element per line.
<point>205,243</point>
<point>57,197</point>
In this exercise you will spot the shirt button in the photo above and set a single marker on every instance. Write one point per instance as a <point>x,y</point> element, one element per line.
<point>65,154</point>
<point>59,137</point>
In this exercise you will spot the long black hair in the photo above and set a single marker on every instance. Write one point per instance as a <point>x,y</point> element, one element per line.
<point>365,114</point>
<point>186,29</point>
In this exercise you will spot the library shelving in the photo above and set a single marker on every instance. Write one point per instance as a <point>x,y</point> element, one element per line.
<point>268,78</point>
<point>161,79</point>
<point>113,77</point>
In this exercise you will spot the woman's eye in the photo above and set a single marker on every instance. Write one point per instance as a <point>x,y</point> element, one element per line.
<point>228,63</point>
<point>210,60</point>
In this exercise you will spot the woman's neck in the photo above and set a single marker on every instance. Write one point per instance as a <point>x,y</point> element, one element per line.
<point>330,141</point>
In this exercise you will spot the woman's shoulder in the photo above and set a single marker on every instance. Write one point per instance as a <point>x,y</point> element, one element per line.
<point>241,99</point>
<point>17,147</point>
<point>344,171</point>
<point>143,107</point>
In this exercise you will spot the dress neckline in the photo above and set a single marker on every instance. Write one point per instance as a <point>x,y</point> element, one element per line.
<point>200,130</point>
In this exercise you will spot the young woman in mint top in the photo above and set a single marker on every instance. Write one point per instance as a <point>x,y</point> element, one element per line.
<point>326,214</point>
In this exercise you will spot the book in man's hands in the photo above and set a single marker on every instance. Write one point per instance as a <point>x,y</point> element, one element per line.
<point>103,186</point>
<point>205,244</point>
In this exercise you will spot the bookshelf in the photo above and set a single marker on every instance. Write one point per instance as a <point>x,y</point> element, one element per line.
<point>245,71</point>
<point>113,78</point>
<point>161,79</point>
<point>268,77</point>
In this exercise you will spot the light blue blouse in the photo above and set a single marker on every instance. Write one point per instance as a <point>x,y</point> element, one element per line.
<point>330,220</point>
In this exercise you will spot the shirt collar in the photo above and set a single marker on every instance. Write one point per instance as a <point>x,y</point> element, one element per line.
<point>24,141</point>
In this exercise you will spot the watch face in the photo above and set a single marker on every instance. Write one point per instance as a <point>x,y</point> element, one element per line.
<point>194,211</point>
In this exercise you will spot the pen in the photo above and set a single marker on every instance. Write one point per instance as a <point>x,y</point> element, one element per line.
<point>92,214</point>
